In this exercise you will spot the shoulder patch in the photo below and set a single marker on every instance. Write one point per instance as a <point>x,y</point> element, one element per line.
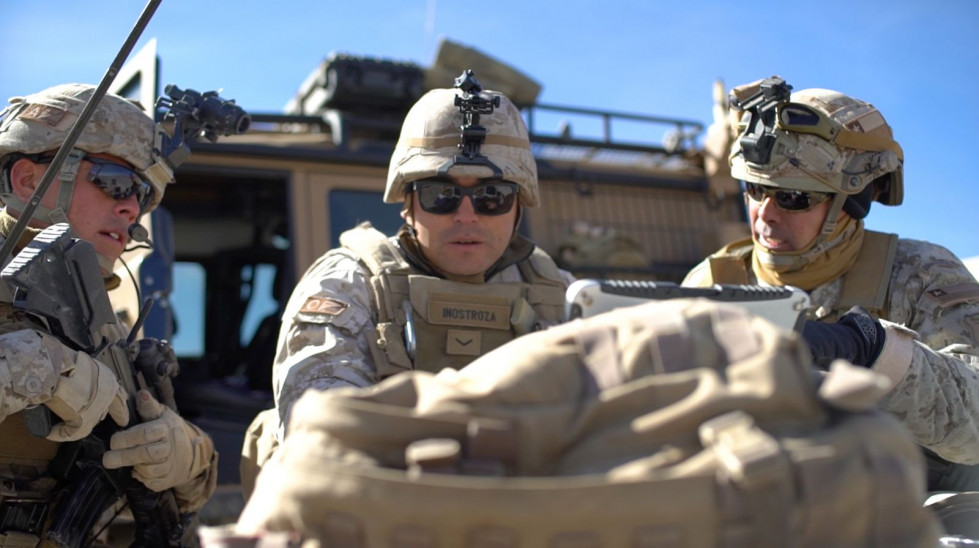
<point>323,305</point>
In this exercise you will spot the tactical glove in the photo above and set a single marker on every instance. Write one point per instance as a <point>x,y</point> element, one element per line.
<point>165,452</point>
<point>856,337</point>
<point>36,369</point>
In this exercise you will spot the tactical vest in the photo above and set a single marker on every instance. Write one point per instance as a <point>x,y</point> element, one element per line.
<point>430,323</point>
<point>865,283</point>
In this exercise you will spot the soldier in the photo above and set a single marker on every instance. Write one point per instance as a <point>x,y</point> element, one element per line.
<point>112,176</point>
<point>812,162</point>
<point>455,282</point>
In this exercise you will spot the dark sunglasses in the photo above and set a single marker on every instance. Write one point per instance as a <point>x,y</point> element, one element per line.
<point>117,181</point>
<point>490,197</point>
<point>786,200</point>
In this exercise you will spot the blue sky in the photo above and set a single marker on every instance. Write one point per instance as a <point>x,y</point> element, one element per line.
<point>918,62</point>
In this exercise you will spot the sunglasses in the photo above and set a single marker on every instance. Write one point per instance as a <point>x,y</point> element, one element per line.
<point>489,197</point>
<point>786,200</point>
<point>117,181</point>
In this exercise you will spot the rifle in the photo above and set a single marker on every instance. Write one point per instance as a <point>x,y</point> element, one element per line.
<point>783,306</point>
<point>57,281</point>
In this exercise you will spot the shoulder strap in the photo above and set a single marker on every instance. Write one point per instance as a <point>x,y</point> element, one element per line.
<point>866,283</point>
<point>388,267</point>
<point>540,268</point>
<point>373,248</point>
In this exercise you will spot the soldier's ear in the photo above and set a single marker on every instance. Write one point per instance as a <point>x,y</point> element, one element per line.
<point>24,177</point>
<point>406,209</point>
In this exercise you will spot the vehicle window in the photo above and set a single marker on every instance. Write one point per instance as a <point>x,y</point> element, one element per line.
<point>348,208</point>
<point>261,303</point>
<point>187,300</point>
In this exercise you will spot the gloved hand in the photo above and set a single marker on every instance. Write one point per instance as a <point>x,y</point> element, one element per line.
<point>75,387</point>
<point>165,451</point>
<point>856,337</point>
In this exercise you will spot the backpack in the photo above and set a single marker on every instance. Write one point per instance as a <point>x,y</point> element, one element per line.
<point>683,423</point>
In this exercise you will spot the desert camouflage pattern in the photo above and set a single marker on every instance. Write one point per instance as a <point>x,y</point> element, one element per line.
<point>323,342</point>
<point>24,456</point>
<point>40,122</point>
<point>933,294</point>
<point>29,370</point>
<point>431,135</point>
<point>862,149</point>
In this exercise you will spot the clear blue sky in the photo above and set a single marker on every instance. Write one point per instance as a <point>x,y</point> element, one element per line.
<point>917,61</point>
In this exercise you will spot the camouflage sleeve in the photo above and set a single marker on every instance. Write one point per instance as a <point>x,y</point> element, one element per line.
<point>936,391</point>
<point>322,341</point>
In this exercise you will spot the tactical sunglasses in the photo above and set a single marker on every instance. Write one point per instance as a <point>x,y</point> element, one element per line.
<point>489,197</point>
<point>786,200</point>
<point>117,181</point>
<point>802,119</point>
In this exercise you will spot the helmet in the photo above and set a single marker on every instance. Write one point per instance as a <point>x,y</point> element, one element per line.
<point>41,122</point>
<point>431,138</point>
<point>818,140</point>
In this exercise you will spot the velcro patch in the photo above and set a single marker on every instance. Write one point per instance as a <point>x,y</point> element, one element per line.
<point>454,312</point>
<point>323,305</point>
<point>44,114</point>
<point>460,342</point>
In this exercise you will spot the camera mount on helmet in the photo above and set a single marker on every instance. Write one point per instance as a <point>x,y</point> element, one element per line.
<point>761,109</point>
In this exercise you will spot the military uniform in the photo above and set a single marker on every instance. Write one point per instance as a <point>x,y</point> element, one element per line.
<point>31,488</point>
<point>931,293</point>
<point>116,153</point>
<point>812,162</point>
<point>345,323</point>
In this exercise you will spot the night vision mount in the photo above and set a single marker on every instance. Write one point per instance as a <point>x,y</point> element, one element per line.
<point>195,114</point>
<point>761,108</point>
<point>472,105</point>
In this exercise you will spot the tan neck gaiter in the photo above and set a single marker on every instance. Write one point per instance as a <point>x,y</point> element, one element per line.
<point>828,265</point>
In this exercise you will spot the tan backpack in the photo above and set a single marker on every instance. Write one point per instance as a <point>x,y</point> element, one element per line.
<point>677,424</point>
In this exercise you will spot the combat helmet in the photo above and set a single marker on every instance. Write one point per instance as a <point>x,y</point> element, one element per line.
<point>40,122</point>
<point>463,131</point>
<point>816,140</point>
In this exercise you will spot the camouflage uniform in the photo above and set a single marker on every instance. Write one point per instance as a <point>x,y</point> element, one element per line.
<point>35,367</point>
<point>931,293</point>
<point>821,148</point>
<point>325,339</point>
<point>339,329</point>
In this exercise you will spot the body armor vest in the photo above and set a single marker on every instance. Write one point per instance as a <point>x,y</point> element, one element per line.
<point>864,285</point>
<point>430,323</point>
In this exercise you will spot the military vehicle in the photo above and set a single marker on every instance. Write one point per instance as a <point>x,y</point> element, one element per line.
<point>624,195</point>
